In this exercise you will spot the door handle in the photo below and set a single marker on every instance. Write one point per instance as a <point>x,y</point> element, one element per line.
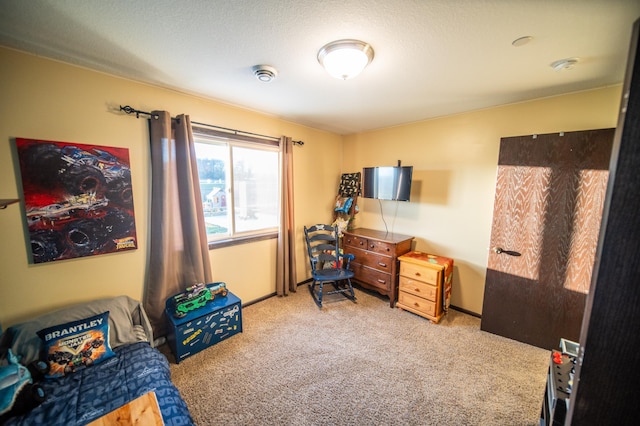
<point>500,250</point>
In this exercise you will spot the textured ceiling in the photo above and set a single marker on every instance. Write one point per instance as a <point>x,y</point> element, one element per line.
<point>432,58</point>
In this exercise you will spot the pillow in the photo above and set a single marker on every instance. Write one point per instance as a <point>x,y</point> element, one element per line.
<point>124,314</point>
<point>75,345</point>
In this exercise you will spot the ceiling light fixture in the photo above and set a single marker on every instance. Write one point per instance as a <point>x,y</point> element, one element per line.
<point>564,64</point>
<point>265,73</point>
<point>521,41</point>
<point>345,59</point>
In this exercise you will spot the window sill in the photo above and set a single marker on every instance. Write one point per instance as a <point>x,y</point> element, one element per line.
<point>241,240</point>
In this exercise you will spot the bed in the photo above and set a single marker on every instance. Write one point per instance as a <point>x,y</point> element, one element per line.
<point>100,377</point>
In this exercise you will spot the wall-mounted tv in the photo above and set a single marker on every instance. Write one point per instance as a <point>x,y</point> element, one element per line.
<point>387,183</point>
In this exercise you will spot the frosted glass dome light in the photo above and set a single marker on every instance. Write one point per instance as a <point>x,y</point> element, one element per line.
<point>345,59</point>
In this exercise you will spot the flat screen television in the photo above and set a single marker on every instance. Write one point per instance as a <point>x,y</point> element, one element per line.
<point>387,183</point>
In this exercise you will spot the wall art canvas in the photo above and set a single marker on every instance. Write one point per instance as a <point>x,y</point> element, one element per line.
<point>78,199</point>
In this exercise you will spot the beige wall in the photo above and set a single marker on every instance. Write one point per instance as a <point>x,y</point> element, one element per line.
<point>454,160</point>
<point>49,100</point>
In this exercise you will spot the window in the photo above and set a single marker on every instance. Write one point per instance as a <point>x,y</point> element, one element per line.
<point>239,182</point>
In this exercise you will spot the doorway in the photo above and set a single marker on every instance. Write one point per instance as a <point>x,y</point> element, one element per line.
<point>548,203</point>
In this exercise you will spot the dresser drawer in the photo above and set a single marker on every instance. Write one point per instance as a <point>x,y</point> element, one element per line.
<point>418,288</point>
<point>419,272</point>
<point>415,303</point>
<point>372,277</point>
<point>382,247</point>
<point>371,259</point>
<point>356,241</point>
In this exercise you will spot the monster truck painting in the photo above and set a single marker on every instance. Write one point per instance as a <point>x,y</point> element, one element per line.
<point>78,199</point>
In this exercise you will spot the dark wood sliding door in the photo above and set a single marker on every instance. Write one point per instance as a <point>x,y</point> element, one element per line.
<point>549,196</point>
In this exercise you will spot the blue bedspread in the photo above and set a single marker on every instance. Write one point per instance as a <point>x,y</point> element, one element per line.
<point>88,394</point>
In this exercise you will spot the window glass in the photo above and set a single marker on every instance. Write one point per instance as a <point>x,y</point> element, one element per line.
<point>213,159</point>
<point>239,183</point>
<point>255,189</point>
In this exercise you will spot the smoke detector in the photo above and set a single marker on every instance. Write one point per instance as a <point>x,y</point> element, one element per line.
<point>265,73</point>
<point>564,64</point>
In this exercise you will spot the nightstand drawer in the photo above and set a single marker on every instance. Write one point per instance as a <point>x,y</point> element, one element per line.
<point>415,303</point>
<point>418,288</point>
<point>419,272</point>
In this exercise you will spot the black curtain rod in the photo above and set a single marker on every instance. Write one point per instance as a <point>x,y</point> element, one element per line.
<point>129,110</point>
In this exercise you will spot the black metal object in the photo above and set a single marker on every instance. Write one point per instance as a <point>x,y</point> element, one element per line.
<point>130,110</point>
<point>500,250</point>
<point>558,390</point>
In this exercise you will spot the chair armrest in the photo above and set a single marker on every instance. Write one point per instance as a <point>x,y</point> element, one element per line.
<point>349,258</point>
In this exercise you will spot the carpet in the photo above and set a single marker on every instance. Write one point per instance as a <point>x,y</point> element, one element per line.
<point>361,364</point>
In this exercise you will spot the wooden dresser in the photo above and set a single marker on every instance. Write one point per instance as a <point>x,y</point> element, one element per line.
<point>425,284</point>
<point>376,259</point>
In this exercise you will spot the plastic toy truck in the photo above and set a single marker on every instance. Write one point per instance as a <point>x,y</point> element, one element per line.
<point>197,296</point>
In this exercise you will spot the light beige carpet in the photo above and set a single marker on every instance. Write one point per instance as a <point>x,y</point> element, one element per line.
<point>361,364</point>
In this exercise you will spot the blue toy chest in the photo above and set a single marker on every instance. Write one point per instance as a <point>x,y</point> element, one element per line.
<point>218,320</point>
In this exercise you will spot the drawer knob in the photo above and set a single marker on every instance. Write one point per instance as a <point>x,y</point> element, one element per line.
<point>381,281</point>
<point>416,304</point>
<point>384,265</point>
<point>417,274</point>
<point>417,290</point>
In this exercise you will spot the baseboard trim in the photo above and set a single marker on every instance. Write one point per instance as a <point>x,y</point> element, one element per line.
<point>465,311</point>
<point>260,299</point>
<point>268,296</point>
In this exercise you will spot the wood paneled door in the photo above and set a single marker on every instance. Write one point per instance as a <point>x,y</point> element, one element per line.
<point>550,192</point>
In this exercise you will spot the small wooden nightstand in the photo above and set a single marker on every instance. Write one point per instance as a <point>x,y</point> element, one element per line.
<point>425,284</point>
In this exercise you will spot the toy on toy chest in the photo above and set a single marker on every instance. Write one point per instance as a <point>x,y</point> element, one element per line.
<point>203,324</point>
<point>196,296</point>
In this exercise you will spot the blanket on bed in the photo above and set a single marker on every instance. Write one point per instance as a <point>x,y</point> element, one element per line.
<point>86,395</point>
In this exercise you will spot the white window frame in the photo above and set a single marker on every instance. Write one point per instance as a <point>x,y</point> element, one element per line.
<point>204,135</point>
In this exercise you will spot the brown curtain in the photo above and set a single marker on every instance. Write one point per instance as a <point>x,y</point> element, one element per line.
<point>179,252</point>
<point>286,280</point>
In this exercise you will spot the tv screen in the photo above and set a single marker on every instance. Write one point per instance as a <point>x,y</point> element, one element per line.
<point>387,183</point>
